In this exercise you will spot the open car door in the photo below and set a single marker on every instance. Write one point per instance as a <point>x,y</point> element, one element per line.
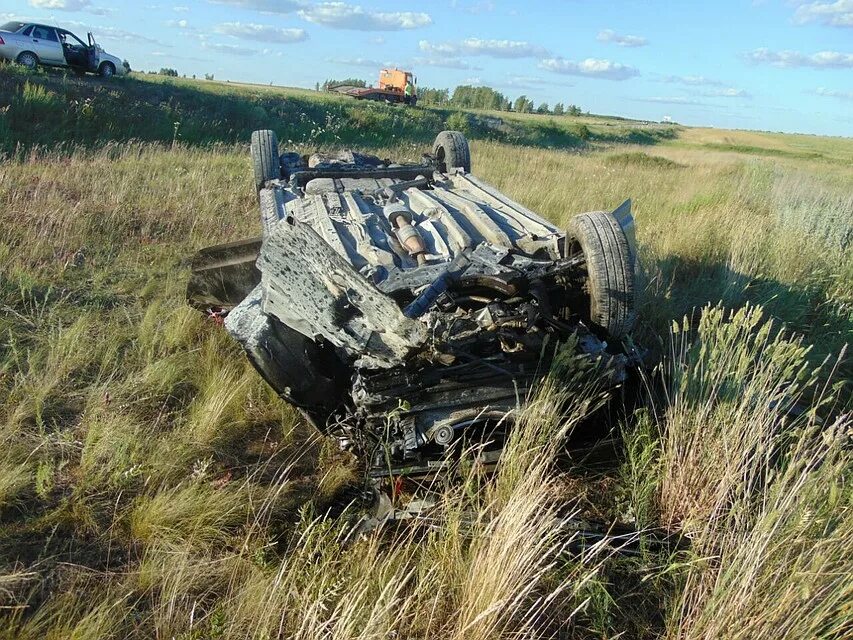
<point>93,53</point>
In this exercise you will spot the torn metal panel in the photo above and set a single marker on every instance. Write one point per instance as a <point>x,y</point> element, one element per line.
<point>311,287</point>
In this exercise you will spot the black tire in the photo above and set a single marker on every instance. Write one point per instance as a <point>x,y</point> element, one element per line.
<point>451,151</point>
<point>28,59</point>
<point>265,158</point>
<point>610,270</point>
<point>107,70</point>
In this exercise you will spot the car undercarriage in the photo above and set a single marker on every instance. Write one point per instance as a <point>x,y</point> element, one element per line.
<point>407,308</point>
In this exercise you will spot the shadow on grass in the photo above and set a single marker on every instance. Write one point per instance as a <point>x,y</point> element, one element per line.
<point>53,109</point>
<point>676,288</point>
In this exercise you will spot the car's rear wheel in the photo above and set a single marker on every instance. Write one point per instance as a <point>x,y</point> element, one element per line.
<point>28,59</point>
<point>451,151</point>
<point>265,159</point>
<point>610,270</point>
<point>106,70</point>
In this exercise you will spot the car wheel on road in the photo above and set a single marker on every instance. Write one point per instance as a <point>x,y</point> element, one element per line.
<point>28,59</point>
<point>265,158</point>
<point>451,151</point>
<point>106,70</point>
<point>610,270</point>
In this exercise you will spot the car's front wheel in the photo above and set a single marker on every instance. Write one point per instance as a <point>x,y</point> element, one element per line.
<point>28,59</point>
<point>106,70</point>
<point>599,238</point>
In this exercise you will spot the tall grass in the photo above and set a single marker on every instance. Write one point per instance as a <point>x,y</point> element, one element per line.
<point>747,468</point>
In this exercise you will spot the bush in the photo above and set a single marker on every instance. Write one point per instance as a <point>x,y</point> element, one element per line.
<point>460,121</point>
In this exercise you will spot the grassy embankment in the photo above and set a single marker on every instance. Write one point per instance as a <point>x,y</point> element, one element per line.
<point>151,485</point>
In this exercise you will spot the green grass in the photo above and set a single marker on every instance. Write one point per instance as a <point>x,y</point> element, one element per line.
<point>151,485</point>
<point>49,108</point>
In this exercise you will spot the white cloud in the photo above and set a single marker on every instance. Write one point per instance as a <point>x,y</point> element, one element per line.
<point>339,15</point>
<point>232,49</point>
<point>694,81</point>
<point>267,6</point>
<point>502,48</point>
<point>590,68</point>
<point>180,9</point>
<point>62,5</point>
<point>261,32</point>
<point>787,59</point>
<point>480,47</point>
<point>833,14</point>
<point>609,35</point>
<point>446,62</point>
<point>178,24</point>
<point>524,82</point>
<point>531,83</point>
<point>727,92</point>
<point>438,48</point>
<point>832,93</point>
<point>670,100</point>
<point>359,62</point>
<point>473,7</point>
<point>720,90</point>
<point>110,33</point>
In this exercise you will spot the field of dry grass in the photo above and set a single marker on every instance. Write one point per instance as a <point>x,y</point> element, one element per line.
<point>151,485</point>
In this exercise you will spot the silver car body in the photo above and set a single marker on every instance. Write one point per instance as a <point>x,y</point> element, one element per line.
<point>55,47</point>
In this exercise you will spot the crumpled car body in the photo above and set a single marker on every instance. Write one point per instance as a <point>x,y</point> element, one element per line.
<point>404,308</point>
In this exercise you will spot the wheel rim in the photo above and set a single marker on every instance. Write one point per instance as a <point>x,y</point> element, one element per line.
<point>107,71</point>
<point>439,156</point>
<point>28,60</point>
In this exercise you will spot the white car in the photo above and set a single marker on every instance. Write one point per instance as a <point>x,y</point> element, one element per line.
<point>32,44</point>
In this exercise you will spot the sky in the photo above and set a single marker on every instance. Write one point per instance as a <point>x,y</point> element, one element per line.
<point>776,65</point>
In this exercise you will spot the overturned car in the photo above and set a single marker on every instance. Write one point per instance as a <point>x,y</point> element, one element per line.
<point>407,307</point>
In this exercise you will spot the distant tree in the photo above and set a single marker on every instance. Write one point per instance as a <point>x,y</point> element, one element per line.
<point>574,110</point>
<point>559,109</point>
<point>522,105</point>
<point>166,71</point>
<point>435,97</point>
<point>543,108</point>
<point>208,76</point>
<point>126,66</point>
<point>470,97</point>
<point>316,86</point>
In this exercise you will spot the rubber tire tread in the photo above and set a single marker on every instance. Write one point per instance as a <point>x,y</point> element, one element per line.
<point>457,154</point>
<point>610,270</point>
<point>265,159</point>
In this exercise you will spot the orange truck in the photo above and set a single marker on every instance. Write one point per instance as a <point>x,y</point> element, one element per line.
<point>395,85</point>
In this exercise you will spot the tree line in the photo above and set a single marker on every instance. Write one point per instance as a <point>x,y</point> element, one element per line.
<point>479,97</point>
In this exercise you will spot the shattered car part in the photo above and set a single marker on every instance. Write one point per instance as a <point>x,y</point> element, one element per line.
<point>405,307</point>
